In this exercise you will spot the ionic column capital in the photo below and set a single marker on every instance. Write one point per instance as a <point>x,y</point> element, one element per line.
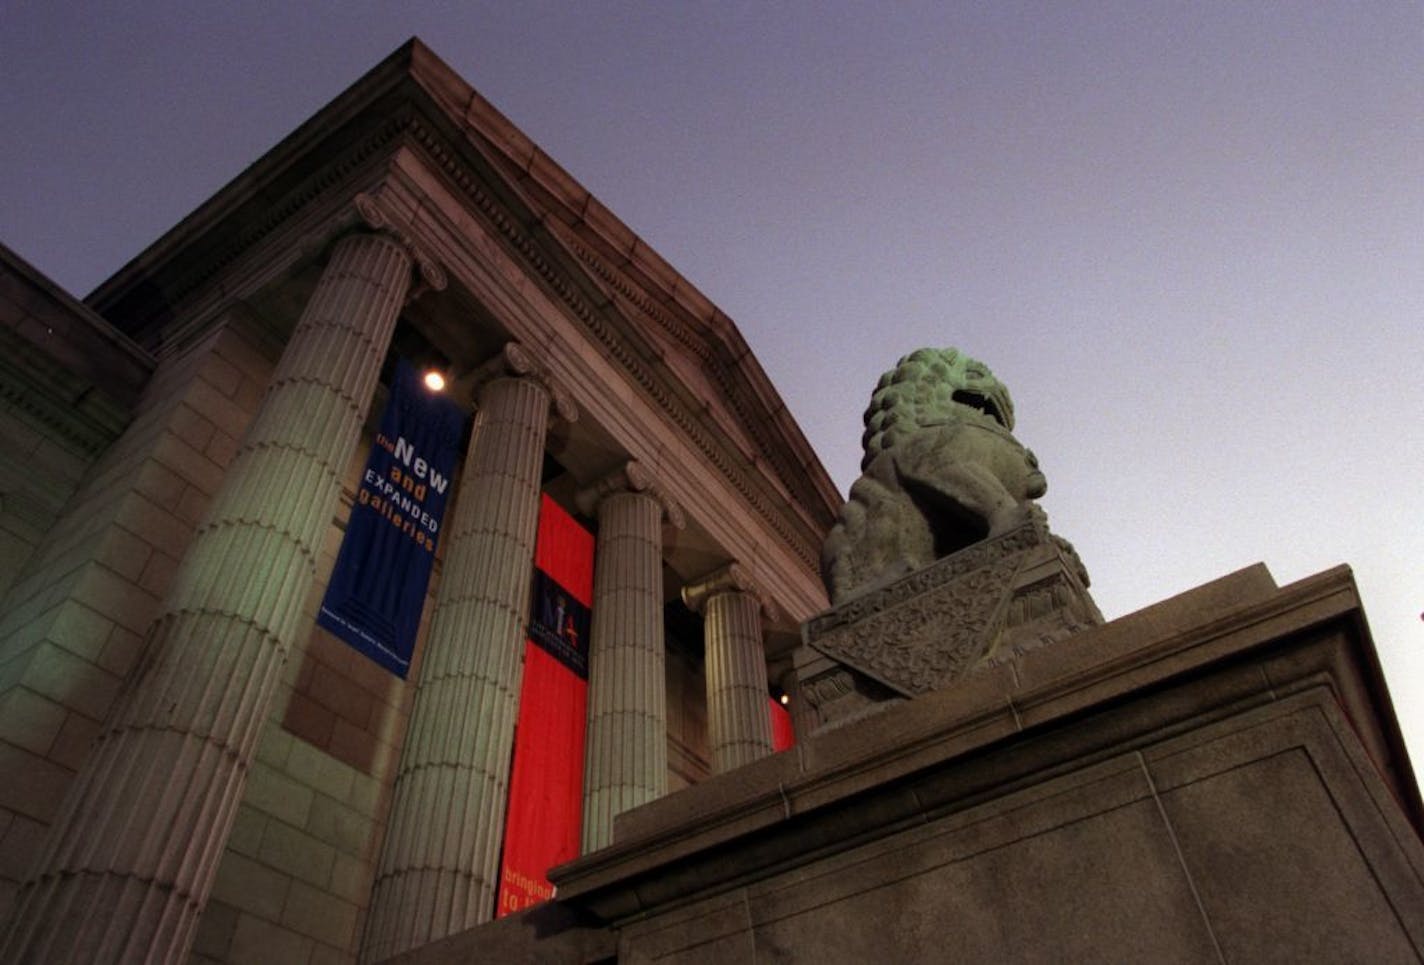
<point>631,477</point>
<point>515,361</point>
<point>429,275</point>
<point>732,578</point>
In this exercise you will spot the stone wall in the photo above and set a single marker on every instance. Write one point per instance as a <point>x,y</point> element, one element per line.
<point>72,624</point>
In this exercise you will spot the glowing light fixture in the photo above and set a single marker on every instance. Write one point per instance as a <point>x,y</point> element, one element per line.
<point>434,381</point>
<point>785,699</point>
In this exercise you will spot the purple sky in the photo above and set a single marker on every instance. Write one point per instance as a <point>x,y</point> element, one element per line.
<point>1189,236</point>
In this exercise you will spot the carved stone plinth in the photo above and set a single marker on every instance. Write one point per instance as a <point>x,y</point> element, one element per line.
<point>997,598</point>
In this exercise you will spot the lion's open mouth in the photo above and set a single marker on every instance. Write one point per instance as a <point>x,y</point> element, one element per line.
<point>981,402</point>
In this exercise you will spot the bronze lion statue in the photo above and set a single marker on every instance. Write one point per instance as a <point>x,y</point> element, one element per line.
<point>941,471</point>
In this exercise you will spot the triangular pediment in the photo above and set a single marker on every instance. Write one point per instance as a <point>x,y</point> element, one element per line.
<point>414,101</point>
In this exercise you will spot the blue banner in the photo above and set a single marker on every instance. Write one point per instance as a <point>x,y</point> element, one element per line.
<point>377,589</point>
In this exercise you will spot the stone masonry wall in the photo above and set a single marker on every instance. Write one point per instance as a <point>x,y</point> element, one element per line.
<point>72,623</point>
<point>38,474</point>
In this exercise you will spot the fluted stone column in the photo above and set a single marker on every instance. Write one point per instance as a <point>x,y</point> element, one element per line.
<point>439,868</point>
<point>738,720</point>
<point>131,858</point>
<point>625,756</point>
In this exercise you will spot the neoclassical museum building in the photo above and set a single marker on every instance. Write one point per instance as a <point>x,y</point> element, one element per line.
<point>191,761</point>
<point>401,561</point>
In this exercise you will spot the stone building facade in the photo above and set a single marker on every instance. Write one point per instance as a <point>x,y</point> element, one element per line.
<point>189,766</point>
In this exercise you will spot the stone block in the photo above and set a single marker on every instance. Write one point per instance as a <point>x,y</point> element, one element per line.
<point>1239,832</point>
<point>229,414</point>
<point>351,879</point>
<point>156,523</point>
<point>80,630</point>
<point>118,599</point>
<point>121,652</point>
<point>320,771</point>
<point>365,794</point>
<point>308,720</point>
<point>297,853</point>
<point>275,794</point>
<point>29,720</point>
<point>249,358</point>
<point>189,463</point>
<point>341,696</point>
<point>20,847</point>
<point>191,427</point>
<point>359,748</point>
<point>68,680</point>
<point>256,940</point>
<point>221,448</point>
<point>1282,800</point>
<point>250,886</point>
<point>338,825</point>
<point>33,786</point>
<point>123,552</point>
<point>74,741</point>
<point>247,828</point>
<point>219,373</point>
<point>324,917</point>
<point>193,505</point>
<point>274,746</point>
<point>158,573</point>
<point>380,683</point>
<point>215,930</point>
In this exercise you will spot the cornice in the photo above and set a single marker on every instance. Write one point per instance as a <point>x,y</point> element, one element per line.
<point>56,399</point>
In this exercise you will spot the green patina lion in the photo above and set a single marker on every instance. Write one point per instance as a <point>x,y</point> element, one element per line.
<point>941,471</point>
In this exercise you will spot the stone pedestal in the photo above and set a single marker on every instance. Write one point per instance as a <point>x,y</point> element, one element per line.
<point>625,762</point>
<point>995,599</point>
<point>738,722</point>
<point>130,860</point>
<point>439,869</point>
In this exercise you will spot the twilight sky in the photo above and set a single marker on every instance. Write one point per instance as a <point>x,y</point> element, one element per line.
<point>1189,236</point>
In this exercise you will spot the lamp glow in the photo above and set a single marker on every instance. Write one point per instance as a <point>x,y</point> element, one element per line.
<point>785,699</point>
<point>434,381</point>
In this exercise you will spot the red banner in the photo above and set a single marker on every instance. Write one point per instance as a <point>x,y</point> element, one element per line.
<point>783,736</point>
<point>546,786</point>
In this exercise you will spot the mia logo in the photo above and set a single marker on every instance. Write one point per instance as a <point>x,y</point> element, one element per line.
<point>559,623</point>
